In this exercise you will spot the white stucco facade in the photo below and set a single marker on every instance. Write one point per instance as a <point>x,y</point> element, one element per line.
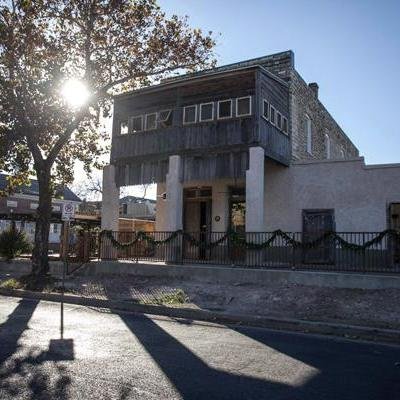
<point>359,195</point>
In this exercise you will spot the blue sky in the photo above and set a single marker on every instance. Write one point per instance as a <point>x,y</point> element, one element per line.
<point>351,48</point>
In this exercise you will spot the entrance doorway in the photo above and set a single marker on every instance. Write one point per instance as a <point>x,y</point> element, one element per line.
<point>237,221</point>
<point>394,223</point>
<point>197,220</point>
<point>315,224</point>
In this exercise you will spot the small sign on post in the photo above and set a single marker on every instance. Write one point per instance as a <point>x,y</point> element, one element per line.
<point>68,212</point>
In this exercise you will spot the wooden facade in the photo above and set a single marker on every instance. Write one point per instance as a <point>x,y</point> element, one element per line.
<point>214,149</point>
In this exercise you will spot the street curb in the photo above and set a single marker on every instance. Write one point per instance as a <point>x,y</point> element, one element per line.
<point>323,328</point>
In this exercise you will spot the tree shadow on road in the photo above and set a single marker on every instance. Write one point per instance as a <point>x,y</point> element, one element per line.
<point>30,372</point>
<point>190,375</point>
<point>335,378</point>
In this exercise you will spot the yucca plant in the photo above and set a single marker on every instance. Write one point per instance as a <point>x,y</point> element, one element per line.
<point>13,243</point>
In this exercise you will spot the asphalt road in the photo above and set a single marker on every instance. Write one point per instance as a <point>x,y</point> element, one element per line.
<point>124,356</point>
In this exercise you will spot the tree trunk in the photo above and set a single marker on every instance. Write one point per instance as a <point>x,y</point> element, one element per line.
<point>40,257</point>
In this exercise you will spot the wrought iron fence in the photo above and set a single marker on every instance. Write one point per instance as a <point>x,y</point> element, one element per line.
<point>339,251</point>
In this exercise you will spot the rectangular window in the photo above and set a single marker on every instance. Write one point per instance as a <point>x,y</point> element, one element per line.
<point>279,120</point>
<point>206,112</point>
<point>309,134</point>
<point>272,115</point>
<point>123,127</point>
<point>265,110</point>
<point>189,114</point>
<point>34,206</point>
<point>165,118</point>
<point>224,109</point>
<point>137,123</point>
<point>285,125</point>
<point>151,121</point>
<point>243,106</point>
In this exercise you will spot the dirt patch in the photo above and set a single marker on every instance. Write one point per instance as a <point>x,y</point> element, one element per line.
<point>375,308</point>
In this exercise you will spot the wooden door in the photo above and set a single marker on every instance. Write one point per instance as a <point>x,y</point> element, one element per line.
<point>316,223</point>
<point>394,218</point>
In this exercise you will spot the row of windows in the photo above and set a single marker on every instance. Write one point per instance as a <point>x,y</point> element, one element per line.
<point>271,114</point>
<point>203,112</point>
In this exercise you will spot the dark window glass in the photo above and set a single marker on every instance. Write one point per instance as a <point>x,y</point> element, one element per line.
<point>151,121</point>
<point>279,120</point>
<point>272,115</point>
<point>225,109</point>
<point>243,106</point>
<point>189,114</point>
<point>137,124</point>
<point>165,118</point>
<point>285,125</point>
<point>266,109</point>
<point>206,111</point>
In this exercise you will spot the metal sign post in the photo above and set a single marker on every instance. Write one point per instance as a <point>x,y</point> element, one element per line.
<point>68,213</point>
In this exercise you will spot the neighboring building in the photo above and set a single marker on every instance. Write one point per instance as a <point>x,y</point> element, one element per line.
<point>247,146</point>
<point>137,207</point>
<point>130,207</point>
<point>21,208</point>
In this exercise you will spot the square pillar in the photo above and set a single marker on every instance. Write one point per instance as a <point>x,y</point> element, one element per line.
<point>109,211</point>
<point>174,208</point>
<point>255,204</point>
<point>255,190</point>
<point>174,195</point>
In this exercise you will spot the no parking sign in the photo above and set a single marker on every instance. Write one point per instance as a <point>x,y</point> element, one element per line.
<point>68,211</point>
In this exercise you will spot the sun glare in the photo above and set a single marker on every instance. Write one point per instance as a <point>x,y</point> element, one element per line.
<point>75,92</point>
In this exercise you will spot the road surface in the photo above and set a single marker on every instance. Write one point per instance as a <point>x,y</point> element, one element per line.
<point>124,356</point>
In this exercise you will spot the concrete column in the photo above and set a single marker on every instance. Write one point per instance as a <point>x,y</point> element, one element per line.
<point>109,210</point>
<point>255,203</point>
<point>174,208</point>
<point>255,190</point>
<point>220,207</point>
<point>174,198</point>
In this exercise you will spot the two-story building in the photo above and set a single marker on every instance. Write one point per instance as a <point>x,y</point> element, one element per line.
<point>20,208</point>
<point>247,146</point>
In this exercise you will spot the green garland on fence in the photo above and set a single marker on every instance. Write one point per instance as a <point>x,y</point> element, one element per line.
<point>239,240</point>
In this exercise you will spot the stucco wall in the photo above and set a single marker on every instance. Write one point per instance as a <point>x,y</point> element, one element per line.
<point>359,194</point>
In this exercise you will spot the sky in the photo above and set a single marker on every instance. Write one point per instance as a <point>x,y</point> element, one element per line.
<point>350,48</point>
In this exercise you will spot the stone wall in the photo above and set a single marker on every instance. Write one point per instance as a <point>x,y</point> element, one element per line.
<point>304,101</point>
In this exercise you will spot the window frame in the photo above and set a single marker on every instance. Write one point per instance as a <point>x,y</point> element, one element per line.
<point>184,114</point>
<point>263,108</point>
<point>145,122</point>
<point>273,122</point>
<point>125,121</point>
<point>277,120</point>
<point>142,123</point>
<point>285,131</point>
<point>328,153</point>
<point>163,121</point>
<point>237,106</point>
<point>308,134</point>
<point>231,108</point>
<point>212,111</point>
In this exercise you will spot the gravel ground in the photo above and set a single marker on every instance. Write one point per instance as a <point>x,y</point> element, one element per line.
<point>378,308</point>
<point>375,308</point>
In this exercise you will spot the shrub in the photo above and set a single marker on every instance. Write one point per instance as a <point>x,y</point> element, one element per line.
<point>12,243</point>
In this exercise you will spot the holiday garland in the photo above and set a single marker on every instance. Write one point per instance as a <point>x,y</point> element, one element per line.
<point>239,240</point>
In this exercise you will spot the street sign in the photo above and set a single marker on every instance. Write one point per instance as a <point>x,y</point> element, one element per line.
<point>68,212</point>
